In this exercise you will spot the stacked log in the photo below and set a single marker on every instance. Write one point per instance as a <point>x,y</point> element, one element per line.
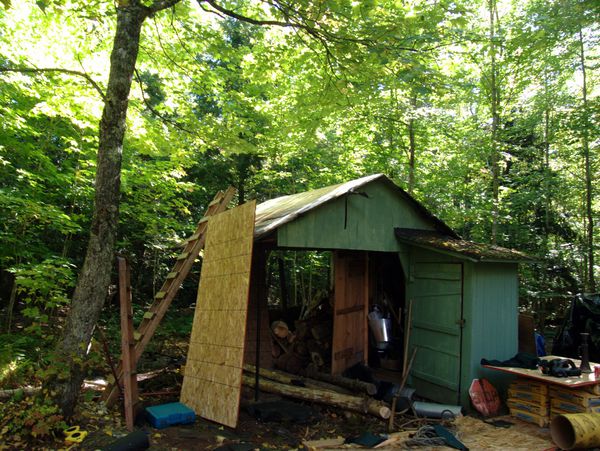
<point>282,385</point>
<point>310,343</point>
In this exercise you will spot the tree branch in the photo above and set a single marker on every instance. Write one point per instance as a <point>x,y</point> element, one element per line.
<point>161,116</point>
<point>234,15</point>
<point>36,70</point>
<point>159,5</point>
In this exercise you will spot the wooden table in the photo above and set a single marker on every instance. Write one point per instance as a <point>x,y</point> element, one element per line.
<point>585,380</point>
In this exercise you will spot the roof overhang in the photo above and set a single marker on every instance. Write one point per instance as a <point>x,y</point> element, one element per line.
<point>459,248</point>
<point>274,213</point>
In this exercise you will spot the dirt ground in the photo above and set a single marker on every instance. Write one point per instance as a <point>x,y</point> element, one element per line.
<point>105,427</point>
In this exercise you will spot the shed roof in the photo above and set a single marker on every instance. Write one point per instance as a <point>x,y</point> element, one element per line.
<point>477,252</point>
<point>279,211</point>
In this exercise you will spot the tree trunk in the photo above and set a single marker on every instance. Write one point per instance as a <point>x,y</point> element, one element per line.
<point>348,402</point>
<point>589,214</point>
<point>494,156</point>
<point>412,147</point>
<point>94,278</point>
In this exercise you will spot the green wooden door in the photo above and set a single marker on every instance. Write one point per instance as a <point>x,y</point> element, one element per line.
<point>436,293</point>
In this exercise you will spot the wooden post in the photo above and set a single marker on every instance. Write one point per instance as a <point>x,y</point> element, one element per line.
<point>407,331</point>
<point>130,389</point>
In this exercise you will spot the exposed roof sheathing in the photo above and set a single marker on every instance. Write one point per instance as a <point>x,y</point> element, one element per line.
<point>467,249</point>
<point>279,211</point>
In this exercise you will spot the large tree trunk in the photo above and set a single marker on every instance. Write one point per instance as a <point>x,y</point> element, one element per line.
<point>412,146</point>
<point>589,213</point>
<point>494,103</point>
<point>94,278</point>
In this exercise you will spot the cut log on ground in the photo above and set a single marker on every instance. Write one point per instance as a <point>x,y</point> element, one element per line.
<point>330,398</point>
<point>26,391</point>
<point>351,384</point>
<point>292,379</point>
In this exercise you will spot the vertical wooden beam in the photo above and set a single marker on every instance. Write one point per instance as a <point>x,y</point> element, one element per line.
<point>365,320</point>
<point>130,390</point>
<point>258,316</point>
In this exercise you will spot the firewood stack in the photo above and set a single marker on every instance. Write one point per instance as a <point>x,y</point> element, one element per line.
<point>309,344</point>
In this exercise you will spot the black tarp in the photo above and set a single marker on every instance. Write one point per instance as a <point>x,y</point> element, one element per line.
<point>583,316</point>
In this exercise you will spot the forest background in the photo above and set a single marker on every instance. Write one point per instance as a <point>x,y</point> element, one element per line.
<point>486,111</point>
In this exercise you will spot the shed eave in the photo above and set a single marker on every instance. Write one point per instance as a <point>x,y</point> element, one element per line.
<point>507,260</point>
<point>439,251</point>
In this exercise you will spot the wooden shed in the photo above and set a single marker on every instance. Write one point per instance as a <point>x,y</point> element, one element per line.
<point>464,295</point>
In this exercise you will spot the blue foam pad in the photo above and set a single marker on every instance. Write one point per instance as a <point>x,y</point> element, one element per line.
<point>166,415</point>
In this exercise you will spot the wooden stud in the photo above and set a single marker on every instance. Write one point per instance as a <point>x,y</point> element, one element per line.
<point>130,390</point>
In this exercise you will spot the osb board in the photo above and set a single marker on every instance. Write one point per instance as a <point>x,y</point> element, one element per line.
<point>213,371</point>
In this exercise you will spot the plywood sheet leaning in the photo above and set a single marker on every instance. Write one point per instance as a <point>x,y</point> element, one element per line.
<point>213,371</point>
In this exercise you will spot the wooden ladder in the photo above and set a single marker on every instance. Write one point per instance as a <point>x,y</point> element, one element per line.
<point>169,289</point>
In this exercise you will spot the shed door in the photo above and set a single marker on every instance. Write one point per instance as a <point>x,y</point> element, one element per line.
<point>350,339</point>
<point>436,293</point>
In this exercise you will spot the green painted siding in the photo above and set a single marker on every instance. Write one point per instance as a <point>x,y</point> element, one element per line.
<point>491,313</point>
<point>370,223</point>
<point>436,293</point>
<point>490,306</point>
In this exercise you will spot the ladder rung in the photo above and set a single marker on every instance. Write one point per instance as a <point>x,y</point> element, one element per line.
<point>137,336</point>
<point>110,379</point>
<point>217,200</point>
<point>183,256</point>
<point>172,275</point>
<point>149,315</point>
<point>194,237</point>
<point>160,295</point>
<point>203,219</point>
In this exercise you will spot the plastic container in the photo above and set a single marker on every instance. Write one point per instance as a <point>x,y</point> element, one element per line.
<point>166,415</point>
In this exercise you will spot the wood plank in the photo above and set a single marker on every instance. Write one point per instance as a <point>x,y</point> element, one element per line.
<point>213,371</point>
<point>350,334</point>
<point>130,389</point>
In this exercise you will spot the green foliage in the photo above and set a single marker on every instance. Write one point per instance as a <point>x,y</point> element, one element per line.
<point>30,418</point>
<point>18,355</point>
<point>43,288</point>
<point>273,111</point>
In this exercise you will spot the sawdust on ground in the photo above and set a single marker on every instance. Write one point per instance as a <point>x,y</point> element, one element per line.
<point>474,434</point>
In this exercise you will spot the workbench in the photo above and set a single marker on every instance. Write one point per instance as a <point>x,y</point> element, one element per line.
<point>537,398</point>
<point>585,380</point>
